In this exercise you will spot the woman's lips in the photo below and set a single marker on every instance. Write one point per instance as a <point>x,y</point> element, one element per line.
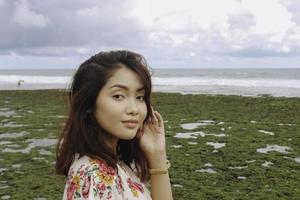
<point>130,124</point>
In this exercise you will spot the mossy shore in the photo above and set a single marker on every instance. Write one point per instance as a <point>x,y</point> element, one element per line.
<point>220,147</point>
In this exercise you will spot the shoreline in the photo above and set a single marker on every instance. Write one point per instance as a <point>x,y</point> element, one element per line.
<point>170,92</point>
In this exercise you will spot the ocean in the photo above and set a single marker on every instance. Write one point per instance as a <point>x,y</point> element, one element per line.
<point>245,82</point>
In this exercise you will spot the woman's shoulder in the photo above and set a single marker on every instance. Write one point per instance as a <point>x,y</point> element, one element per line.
<point>88,176</point>
<point>88,166</point>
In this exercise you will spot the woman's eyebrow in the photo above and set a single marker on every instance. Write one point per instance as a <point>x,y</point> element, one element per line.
<point>126,88</point>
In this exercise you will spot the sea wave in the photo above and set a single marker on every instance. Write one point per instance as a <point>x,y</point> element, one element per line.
<point>194,85</point>
<point>165,81</point>
<point>13,79</point>
<point>194,81</point>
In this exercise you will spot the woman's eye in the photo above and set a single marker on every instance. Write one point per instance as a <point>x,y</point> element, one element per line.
<point>118,97</point>
<point>141,98</point>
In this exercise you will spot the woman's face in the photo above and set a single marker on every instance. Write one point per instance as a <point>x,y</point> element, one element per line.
<point>121,99</point>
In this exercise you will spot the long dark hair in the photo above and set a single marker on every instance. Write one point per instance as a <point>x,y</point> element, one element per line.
<point>81,133</point>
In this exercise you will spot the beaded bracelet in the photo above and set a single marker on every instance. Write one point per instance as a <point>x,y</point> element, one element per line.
<point>160,171</point>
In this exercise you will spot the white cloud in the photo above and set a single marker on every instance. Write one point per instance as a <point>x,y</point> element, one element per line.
<point>28,18</point>
<point>169,31</point>
<point>220,27</point>
<point>271,16</point>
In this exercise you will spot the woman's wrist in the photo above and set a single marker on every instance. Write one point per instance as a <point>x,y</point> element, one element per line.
<point>157,161</point>
<point>160,171</point>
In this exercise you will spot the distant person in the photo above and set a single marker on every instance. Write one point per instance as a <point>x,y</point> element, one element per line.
<point>113,142</point>
<point>19,82</point>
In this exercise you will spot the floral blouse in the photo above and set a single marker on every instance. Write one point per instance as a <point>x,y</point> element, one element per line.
<point>91,179</point>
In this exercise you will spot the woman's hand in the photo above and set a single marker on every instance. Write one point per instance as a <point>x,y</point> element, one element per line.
<point>152,142</point>
<point>152,138</point>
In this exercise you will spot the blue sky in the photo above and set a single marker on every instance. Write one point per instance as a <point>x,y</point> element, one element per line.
<point>169,33</point>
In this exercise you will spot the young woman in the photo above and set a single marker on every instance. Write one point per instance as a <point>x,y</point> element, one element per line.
<point>113,141</point>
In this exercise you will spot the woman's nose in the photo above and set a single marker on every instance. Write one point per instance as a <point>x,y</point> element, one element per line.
<point>132,107</point>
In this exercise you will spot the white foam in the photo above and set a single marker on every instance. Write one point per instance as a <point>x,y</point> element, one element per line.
<point>266,132</point>
<point>191,126</point>
<point>297,160</point>
<point>177,146</point>
<point>208,170</point>
<point>59,116</point>
<point>217,135</point>
<point>12,125</point>
<point>192,135</point>
<point>5,142</point>
<point>13,79</point>
<point>185,83</point>
<point>203,81</point>
<point>16,166</point>
<point>4,187</point>
<point>17,116</point>
<point>177,185</point>
<point>216,145</point>
<point>278,148</point>
<point>43,142</point>
<point>3,169</point>
<point>14,135</point>
<point>238,167</point>
<point>5,197</point>
<point>40,159</point>
<point>13,146</point>
<point>7,113</point>
<point>193,143</point>
<point>10,82</point>
<point>267,164</point>
<point>282,124</point>
<point>208,165</point>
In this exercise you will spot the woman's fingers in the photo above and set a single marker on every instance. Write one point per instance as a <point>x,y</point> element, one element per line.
<point>154,117</point>
<point>159,118</point>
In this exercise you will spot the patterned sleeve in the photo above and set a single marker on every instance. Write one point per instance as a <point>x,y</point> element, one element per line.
<point>95,182</point>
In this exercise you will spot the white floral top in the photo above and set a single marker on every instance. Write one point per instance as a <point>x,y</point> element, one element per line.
<point>92,179</point>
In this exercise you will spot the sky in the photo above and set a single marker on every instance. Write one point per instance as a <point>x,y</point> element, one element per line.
<point>169,33</point>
